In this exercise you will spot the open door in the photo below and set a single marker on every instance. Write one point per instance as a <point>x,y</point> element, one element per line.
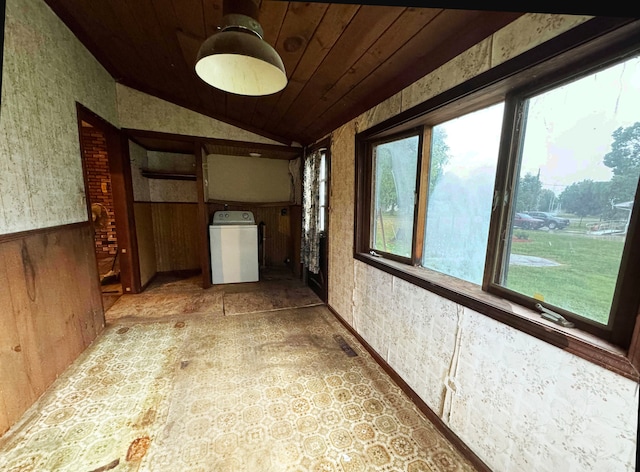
<point>318,280</point>
<point>113,181</point>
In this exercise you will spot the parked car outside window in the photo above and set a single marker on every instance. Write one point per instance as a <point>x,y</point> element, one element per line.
<point>522,220</point>
<point>550,221</point>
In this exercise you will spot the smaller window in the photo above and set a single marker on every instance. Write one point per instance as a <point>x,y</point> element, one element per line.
<point>395,167</point>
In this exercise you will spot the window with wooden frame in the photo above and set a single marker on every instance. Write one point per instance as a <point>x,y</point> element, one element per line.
<point>525,192</point>
<point>392,211</point>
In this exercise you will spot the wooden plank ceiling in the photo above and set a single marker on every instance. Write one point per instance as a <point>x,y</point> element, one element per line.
<point>340,59</point>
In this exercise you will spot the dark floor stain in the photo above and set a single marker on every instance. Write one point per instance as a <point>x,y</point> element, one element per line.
<point>138,448</point>
<point>149,417</point>
<point>109,466</point>
<point>344,346</point>
<point>179,324</point>
<point>122,330</point>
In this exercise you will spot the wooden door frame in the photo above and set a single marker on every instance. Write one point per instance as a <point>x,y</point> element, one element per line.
<point>122,194</point>
<point>203,213</point>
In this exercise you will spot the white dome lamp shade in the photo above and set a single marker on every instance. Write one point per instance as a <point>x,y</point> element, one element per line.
<point>237,60</point>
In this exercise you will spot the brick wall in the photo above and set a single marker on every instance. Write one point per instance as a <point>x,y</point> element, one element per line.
<point>99,182</point>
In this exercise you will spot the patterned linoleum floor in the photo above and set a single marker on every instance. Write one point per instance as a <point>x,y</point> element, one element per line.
<point>285,390</point>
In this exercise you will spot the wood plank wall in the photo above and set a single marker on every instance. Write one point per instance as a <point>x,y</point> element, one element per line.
<point>175,232</point>
<point>50,310</point>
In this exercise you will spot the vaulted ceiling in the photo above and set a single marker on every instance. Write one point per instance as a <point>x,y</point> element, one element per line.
<point>340,59</point>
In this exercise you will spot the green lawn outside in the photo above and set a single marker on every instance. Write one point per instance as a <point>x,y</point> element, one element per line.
<point>584,282</point>
<point>396,238</point>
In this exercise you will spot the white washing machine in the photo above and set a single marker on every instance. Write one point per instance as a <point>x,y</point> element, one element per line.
<point>233,238</point>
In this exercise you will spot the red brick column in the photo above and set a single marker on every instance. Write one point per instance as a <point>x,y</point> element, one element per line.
<point>99,183</point>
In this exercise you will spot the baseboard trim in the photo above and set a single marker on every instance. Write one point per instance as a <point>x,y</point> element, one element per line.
<point>422,406</point>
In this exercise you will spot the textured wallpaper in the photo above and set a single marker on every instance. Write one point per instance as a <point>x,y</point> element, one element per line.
<point>519,403</point>
<point>248,179</point>
<point>161,190</point>
<point>139,160</point>
<point>45,71</point>
<point>164,190</point>
<point>139,110</point>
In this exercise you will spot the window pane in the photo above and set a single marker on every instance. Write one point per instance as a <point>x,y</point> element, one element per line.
<point>580,161</point>
<point>323,165</point>
<point>321,221</point>
<point>322,194</point>
<point>464,154</point>
<point>394,183</point>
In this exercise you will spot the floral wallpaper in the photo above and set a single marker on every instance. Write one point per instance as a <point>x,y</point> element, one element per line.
<point>519,403</point>
<point>41,178</point>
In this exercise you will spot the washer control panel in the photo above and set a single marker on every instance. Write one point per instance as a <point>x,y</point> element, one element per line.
<point>233,217</point>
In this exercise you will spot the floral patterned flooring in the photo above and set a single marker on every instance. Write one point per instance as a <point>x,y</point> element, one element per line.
<point>286,390</point>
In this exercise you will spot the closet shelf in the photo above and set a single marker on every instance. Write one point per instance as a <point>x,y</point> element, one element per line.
<point>154,174</point>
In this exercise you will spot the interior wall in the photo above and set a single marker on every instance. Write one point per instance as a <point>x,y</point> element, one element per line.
<point>249,179</point>
<point>139,160</point>
<point>166,190</point>
<point>51,311</point>
<point>139,110</point>
<point>519,403</point>
<point>146,242</point>
<point>142,214</point>
<point>51,304</point>
<point>175,230</point>
<point>45,71</point>
<point>165,213</point>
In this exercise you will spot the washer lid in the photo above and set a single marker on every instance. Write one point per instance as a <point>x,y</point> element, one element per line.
<point>233,217</point>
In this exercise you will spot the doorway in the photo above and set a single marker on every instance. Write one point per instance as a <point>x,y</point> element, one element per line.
<point>99,194</point>
<point>319,282</point>
<point>107,184</point>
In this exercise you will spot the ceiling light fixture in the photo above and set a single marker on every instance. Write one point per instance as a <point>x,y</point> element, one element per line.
<point>236,59</point>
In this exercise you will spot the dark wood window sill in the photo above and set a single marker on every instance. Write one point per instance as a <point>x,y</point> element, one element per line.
<point>577,342</point>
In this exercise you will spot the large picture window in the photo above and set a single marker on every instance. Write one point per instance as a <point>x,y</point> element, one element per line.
<point>579,162</point>
<point>519,197</point>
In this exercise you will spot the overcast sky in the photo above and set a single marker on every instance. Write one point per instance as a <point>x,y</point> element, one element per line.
<point>568,130</point>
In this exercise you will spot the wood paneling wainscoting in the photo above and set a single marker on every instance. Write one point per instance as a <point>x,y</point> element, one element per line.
<point>175,230</point>
<point>50,310</point>
<point>172,228</point>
